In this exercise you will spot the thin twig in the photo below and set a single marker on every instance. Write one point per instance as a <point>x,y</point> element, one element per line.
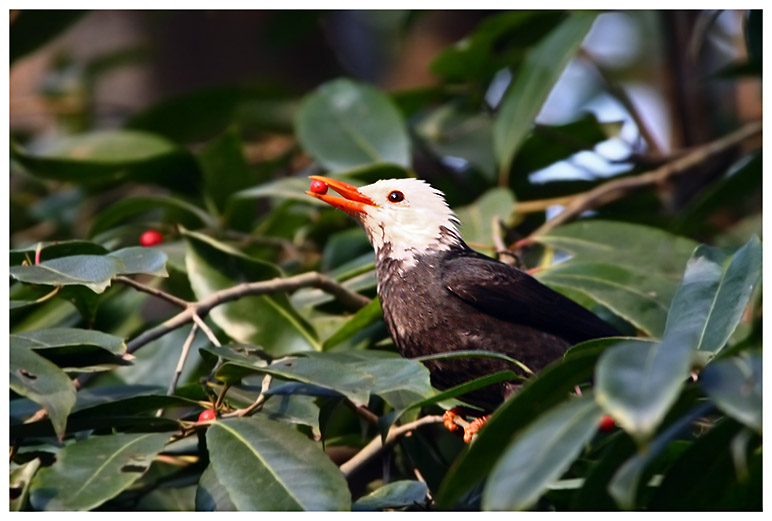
<point>183,358</point>
<point>206,329</point>
<point>257,404</point>
<point>363,412</point>
<point>616,90</point>
<point>618,188</point>
<point>152,291</point>
<point>201,308</point>
<point>377,445</point>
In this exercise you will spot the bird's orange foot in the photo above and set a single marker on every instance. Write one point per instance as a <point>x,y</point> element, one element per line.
<point>475,425</point>
<point>449,418</point>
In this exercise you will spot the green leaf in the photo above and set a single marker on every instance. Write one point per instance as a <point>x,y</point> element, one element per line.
<point>703,475</point>
<point>734,385</point>
<point>224,168</point>
<point>295,409</point>
<point>211,495</point>
<point>137,259</point>
<point>477,218</point>
<point>108,156</point>
<point>627,481</point>
<point>396,494</point>
<point>453,132</point>
<point>174,209</point>
<point>715,292</point>
<point>19,482</point>
<point>634,279</point>
<point>652,251</point>
<point>41,381</point>
<point>533,83</point>
<point>265,465</point>
<point>365,317</point>
<point>636,384</point>
<point>268,321</point>
<point>538,394</point>
<point>344,125</point>
<point>87,473</point>
<point>324,372</point>
<point>53,250</point>
<point>540,455</point>
<point>62,337</point>
<point>92,271</point>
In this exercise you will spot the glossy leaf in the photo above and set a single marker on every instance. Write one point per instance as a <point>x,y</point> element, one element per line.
<point>393,495</point>
<point>211,495</point>
<point>365,317</point>
<point>540,393</point>
<point>533,83</point>
<point>734,385</point>
<point>344,125</point>
<point>92,271</point>
<point>53,250</point>
<point>269,320</point>
<point>715,292</point>
<point>265,465</point>
<point>540,454</point>
<point>87,473</point>
<point>141,260</point>
<point>61,337</point>
<point>636,384</point>
<point>41,381</point>
<point>224,168</point>
<point>477,219</point>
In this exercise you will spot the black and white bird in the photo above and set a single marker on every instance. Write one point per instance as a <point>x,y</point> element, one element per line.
<point>439,295</point>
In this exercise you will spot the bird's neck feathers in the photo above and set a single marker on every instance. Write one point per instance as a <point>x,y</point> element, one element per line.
<point>405,245</point>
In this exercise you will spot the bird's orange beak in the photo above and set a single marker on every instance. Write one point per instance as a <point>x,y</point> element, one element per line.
<point>352,202</point>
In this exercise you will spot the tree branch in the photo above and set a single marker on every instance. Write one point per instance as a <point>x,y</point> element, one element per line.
<point>377,445</point>
<point>201,308</point>
<point>618,188</point>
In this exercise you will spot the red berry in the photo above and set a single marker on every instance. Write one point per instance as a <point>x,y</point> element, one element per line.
<point>606,424</point>
<point>207,415</point>
<point>150,238</point>
<point>318,187</point>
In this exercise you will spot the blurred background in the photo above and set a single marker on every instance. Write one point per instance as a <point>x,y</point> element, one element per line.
<point>667,81</point>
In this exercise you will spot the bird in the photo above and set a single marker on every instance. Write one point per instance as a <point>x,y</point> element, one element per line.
<point>438,295</point>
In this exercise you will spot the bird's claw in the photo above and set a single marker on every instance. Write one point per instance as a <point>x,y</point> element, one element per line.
<point>475,425</point>
<point>449,419</point>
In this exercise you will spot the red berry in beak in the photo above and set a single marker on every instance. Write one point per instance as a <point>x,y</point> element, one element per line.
<point>318,187</point>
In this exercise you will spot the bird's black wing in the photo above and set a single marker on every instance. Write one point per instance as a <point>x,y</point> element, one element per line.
<point>513,295</point>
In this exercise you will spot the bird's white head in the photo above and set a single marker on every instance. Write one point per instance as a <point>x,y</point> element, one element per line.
<point>403,218</point>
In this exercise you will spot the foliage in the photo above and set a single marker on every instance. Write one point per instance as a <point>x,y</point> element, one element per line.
<point>116,349</point>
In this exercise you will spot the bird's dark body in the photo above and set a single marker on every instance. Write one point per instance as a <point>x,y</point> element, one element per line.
<point>458,299</point>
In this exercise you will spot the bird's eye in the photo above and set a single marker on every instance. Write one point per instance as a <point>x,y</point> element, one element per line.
<point>396,196</point>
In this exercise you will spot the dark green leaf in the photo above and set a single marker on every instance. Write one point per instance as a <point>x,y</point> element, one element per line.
<point>344,125</point>
<point>540,393</point>
<point>33,376</point>
<point>540,454</point>
<point>176,211</point>
<point>636,384</point>
<point>477,218</point>
<point>265,465</point>
<point>269,320</point>
<point>715,292</point>
<point>92,271</point>
<point>61,336</point>
<point>533,83</point>
<point>87,473</point>
<point>224,168</point>
<point>53,250</point>
<point>211,495</point>
<point>734,385</point>
<point>363,318</point>
<point>393,495</point>
<point>138,259</point>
